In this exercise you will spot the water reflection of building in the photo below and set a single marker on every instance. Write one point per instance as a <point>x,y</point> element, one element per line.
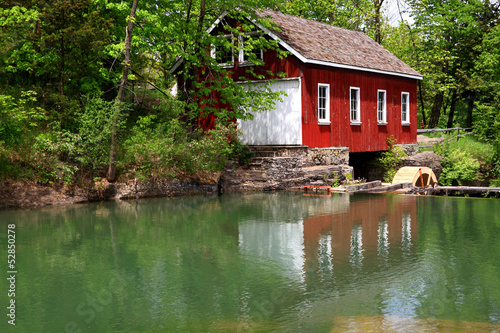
<point>277,233</point>
<point>372,228</point>
<point>371,224</point>
<point>342,231</point>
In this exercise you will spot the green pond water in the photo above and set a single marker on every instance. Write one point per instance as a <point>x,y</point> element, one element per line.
<point>261,262</point>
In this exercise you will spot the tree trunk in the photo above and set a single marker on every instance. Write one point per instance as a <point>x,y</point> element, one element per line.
<point>190,117</point>
<point>422,102</point>
<point>452,109</point>
<point>436,109</point>
<point>378,28</point>
<point>121,92</point>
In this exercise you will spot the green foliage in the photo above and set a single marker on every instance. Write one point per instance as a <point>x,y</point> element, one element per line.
<point>207,87</point>
<point>62,144</point>
<point>487,125</point>
<point>163,150</point>
<point>458,167</point>
<point>336,180</point>
<point>240,152</point>
<point>18,116</point>
<point>487,78</point>
<point>95,123</point>
<point>391,159</point>
<point>467,160</point>
<point>445,44</point>
<point>17,52</point>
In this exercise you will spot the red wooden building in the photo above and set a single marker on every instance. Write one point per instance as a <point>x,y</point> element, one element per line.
<point>343,89</point>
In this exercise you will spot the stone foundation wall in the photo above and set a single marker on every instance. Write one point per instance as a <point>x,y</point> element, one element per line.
<point>328,156</point>
<point>308,156</point>
<point>278,168</point>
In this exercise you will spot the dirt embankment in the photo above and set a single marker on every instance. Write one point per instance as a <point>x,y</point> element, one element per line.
<point>424,140</point>
<point>35,195</point>
<point>231,180</point>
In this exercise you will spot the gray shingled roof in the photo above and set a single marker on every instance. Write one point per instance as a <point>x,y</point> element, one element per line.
<point>321,42</point>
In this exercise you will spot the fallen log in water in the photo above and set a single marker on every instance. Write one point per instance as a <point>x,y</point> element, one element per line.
<point>462,190</point>
<point>364,186</point>
<point>386,189</point>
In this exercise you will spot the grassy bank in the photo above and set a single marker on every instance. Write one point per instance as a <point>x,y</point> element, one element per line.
<point>468,161</point>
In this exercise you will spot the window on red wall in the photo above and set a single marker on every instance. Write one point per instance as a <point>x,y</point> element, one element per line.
<point>405,108</point>
<point>381,107</point>
<point>355,105</point>
<point>323,104</point>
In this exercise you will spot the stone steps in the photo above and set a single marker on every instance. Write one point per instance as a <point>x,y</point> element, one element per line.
<point>267,153</point>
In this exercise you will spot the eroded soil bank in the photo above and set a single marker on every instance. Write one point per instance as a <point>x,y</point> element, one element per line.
<point>13,195</point>
<point>232,179</point>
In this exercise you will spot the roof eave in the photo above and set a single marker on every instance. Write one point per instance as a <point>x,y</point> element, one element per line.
<point>176,66</point>
<point>364,69</point>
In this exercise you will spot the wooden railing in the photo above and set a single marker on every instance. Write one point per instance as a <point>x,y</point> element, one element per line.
<point>434,130</point>
<point>448,130</point>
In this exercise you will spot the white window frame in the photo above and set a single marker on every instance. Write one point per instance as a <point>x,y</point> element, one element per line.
<point>241,52</point>
<point>356,120</point>
<point>213,53</point>
<point>382,108</point>
<point>407,111</point>
<point>326,109</point>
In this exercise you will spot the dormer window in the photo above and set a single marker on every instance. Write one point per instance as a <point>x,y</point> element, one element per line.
<point>223,53</point>
<point>246,56</point>
<point>248,52</point>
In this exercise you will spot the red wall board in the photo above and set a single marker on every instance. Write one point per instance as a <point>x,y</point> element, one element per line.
<point>368,135</point>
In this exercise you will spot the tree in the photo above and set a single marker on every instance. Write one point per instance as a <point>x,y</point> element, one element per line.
<point>487,79</point>
<point>405,43</point>
<point>56,46</point>
<point>119,99</point>
<point>205,87</point>
<point>449,31</point>
<point>360,15</point>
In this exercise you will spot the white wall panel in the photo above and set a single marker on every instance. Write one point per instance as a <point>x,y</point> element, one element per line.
<point>281,126</point>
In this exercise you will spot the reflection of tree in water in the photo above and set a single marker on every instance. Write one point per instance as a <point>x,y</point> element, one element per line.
<point>260,258</point>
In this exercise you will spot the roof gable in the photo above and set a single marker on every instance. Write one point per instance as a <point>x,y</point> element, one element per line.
<point>323,44</point>
<point>327,45</point>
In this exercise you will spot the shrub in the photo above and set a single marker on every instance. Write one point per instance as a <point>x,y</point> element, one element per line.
<point>241,153</point>
<point>148,150</point>
<point>391,159</point>
<point>459,166</point>
<point>54,156</point>
<point>467,160</point>
<point>163,150</point>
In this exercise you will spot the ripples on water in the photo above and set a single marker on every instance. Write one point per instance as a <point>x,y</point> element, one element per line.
<point>259,262</point>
